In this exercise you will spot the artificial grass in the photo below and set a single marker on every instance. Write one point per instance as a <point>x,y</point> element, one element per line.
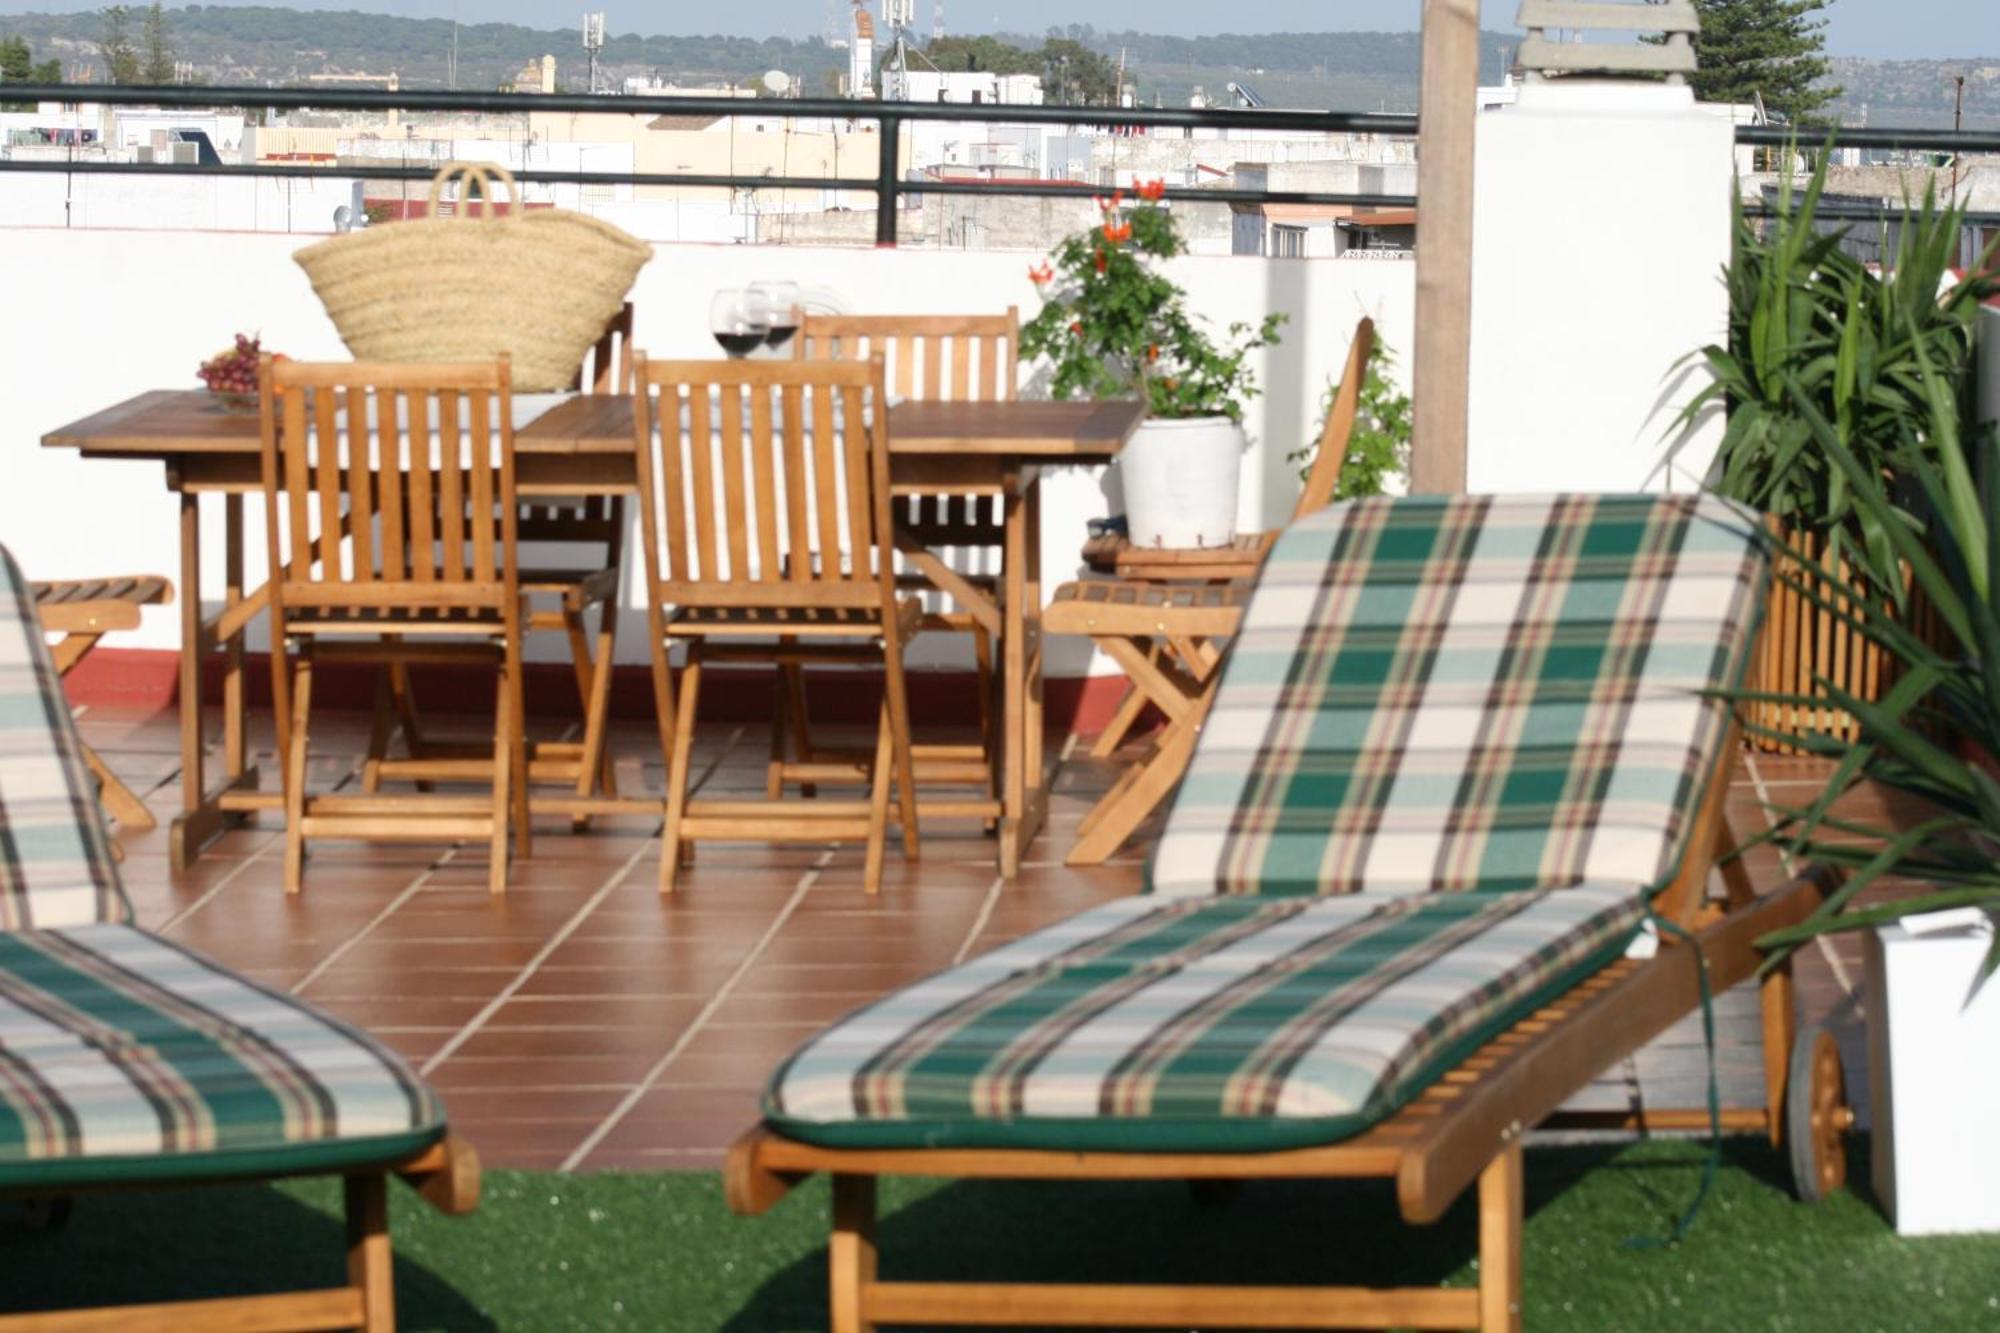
<point>660,1251</point>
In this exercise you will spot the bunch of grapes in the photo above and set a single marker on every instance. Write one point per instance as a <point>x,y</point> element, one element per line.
<point>233,371</point>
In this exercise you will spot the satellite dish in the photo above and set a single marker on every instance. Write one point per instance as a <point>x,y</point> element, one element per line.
<point>343,218</point>
<point>777,83</point>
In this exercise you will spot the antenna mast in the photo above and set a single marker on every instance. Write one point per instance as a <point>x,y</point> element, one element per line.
<point>898,16</point>
<point>937,20</point>
<point>593,42</point>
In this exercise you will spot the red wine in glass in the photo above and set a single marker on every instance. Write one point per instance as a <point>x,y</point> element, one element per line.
<point>780,334</point>
<point>740,344</point>
<point>779,300</point>
<point>738,320</point>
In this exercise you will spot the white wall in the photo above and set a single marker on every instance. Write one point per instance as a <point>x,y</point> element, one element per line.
<point>97,316</point>
<point>1601,231</point>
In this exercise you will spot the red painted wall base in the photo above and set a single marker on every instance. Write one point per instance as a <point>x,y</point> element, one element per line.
<point>147,678</point>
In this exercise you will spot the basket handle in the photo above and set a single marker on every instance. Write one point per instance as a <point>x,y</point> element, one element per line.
<point>482,175</point>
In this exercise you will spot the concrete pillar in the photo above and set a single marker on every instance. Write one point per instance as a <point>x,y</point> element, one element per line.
<point>1601,230</point>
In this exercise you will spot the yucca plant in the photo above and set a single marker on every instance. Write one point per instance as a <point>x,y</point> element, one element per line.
<point>1810,325</point>
<point>1933,515</point>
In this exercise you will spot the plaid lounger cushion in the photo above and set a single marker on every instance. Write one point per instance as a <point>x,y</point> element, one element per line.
<point>124,1056</point>
<point>1182,1024</point>
<point>1471,693</point>
<point>55,861</point>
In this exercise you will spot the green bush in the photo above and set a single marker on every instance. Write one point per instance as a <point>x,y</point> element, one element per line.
<point>1379,447</point>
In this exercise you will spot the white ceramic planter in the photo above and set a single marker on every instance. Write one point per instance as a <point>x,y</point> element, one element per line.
<point>1934,1079</point>
<point>1180,482</point>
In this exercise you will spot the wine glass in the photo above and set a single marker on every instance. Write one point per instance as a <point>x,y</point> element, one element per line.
<point>739,321</point>
<point>781,304</point>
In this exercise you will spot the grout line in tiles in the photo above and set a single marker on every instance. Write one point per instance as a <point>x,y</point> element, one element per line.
<point>660,1066</point>
<point>214,890</point>
<point>528,969</point>
<point>410,891</point>
<point>565,931</point>
<point>993,892</point>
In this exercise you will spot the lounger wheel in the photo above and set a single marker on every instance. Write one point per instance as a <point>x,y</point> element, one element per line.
<point>1817,1116</point>
<point>49,1213</point>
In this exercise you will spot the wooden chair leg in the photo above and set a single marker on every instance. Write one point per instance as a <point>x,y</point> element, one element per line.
<point>881,778</point>
<point>515,700</point>
<point>295,774</point>
<point>405,697</point>
<point>595,769</point>
<point>903,768</point>
<point>1781,1025</point>
<point>505,774</point>
<point>379,726</point>
<point>774,768</point>
<point>677,769</point>
<point>119,800</point>
<point>1122,721</point>
<point>588,762</point>
<point>800,719</point>
<point>1500,1220</point>
<point>1136,794</point>
<point>850,1253</point>
<point>370,1262</point>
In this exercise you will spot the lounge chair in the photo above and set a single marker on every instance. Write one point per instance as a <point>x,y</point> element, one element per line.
<point>1461,749</point>
<point>128,1061</point>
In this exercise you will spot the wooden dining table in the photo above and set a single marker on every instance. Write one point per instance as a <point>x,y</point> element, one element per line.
<point>940,452</point>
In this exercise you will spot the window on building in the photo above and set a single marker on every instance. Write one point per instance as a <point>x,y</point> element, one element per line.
<point>1288,242</point>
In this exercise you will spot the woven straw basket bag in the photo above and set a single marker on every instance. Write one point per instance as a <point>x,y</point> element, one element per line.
<point>539,285</point>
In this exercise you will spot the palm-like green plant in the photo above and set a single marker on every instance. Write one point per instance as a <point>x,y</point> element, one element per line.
<point>1810,325</point>
<point>1934,519</point>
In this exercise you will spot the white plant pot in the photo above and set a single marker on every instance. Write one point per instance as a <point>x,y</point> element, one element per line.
<point>1934,1080</point>
<point>1180,482</point>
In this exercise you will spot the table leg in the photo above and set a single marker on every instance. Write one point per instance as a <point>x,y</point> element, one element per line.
<point>1034,768</point>
<point>233,712</point>
<point>205,814</point>
<point>1014,679</point>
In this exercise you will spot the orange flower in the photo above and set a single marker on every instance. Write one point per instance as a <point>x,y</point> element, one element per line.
<point>1171,385</point>
<point>1153,191</point>
<point>1076,327</point>
<point>1115,232</point>
<point>1102,260</point>
<point>1041,274</point>
<point>1153,352</point>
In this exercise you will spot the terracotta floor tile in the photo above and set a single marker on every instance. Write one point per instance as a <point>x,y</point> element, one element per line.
<point>597,976</point>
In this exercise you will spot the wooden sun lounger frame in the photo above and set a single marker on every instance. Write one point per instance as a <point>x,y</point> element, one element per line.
<point>445,1175</point>
<point>1467,1126</point>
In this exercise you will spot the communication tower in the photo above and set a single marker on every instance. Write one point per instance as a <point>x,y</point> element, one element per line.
<point>593,43</point>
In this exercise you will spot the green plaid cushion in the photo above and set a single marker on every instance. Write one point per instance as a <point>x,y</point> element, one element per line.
<point>1197,1024</point>
<point>55,860</point>
<point>123,1056</point>
<point>1471,693</point>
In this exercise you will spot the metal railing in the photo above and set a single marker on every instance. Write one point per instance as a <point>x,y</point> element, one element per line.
<point>887,185</point>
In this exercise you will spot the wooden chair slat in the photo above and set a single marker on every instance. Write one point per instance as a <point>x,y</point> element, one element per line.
<point>791,427</point>
<point>479,428</point>
<point>451,487</point>
<point>700,473</point>
<point>764,482</point>
<point>735,503</point>
<point>826,482</point>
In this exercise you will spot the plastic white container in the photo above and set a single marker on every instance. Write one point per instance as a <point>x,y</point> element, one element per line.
<point>1934,1081</point>
<point>1180,480</point>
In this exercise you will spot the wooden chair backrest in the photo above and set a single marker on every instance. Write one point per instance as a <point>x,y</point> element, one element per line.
<point>607,367</point>
<point>928,358</point>
<point>1339,428</point>
<point>389,485</point>
<point>764,483</point>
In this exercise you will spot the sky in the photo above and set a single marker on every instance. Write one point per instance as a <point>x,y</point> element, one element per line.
<point>1888,28</point>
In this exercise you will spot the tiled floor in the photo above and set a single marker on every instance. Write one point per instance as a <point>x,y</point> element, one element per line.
<point>585,1022</point>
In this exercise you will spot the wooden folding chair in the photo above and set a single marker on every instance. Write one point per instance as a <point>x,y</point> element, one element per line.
<point>1161,618</point>
<point>391,512</point>
<point>927,358</point>
<point>84,611</point>
<point>764,507</point>
<point>561,592</point>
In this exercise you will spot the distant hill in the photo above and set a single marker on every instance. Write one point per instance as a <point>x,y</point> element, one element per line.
<point>1358,71</point>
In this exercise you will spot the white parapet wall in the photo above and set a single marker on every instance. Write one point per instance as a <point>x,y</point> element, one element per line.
<point>1601,231</point>
<point>95,316</point>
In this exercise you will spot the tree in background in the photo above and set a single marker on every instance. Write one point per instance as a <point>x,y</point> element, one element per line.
<point>157,64</point>
<point>18,64</point>
<point>1775,49</point>
<point>115,46</point>
<point>1072,73</point>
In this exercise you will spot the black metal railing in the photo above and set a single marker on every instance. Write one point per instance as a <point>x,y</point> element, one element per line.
<point>887,184</point>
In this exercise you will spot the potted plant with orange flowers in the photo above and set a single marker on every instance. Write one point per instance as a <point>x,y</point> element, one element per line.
<point>1113,325</point>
